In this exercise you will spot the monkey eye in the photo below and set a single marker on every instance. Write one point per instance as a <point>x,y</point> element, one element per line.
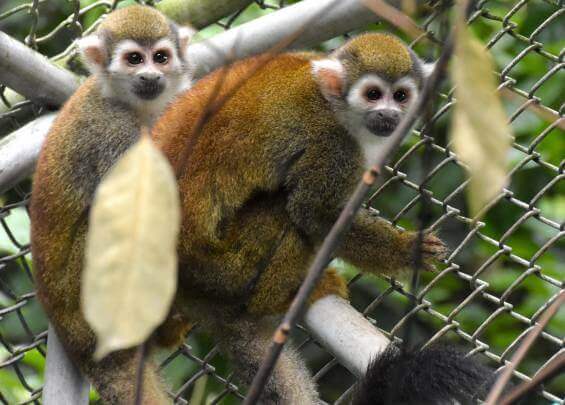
<point>373,94</point>
<point>161,57</point>
<point>134,58</point>
<point>400,95</point>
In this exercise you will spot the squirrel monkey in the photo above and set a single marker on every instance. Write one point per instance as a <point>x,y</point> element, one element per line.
<point>266,178</point>
<point>138,62</point>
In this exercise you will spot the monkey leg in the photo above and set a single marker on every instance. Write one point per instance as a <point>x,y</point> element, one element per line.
<point>375,246</point>
<point>115,376</point>
<point>246,341</point>
<point>330,284</point>
<point>174,330</point>
<point>273,295</point>
<point>115,379</point>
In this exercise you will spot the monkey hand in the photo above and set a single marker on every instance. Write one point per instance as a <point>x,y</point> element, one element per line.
<point>431,249</point>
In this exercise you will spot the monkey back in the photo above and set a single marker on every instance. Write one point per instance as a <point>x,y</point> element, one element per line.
<point>239,245</point>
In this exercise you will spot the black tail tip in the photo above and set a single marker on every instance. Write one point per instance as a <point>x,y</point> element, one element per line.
<point>437,374</point>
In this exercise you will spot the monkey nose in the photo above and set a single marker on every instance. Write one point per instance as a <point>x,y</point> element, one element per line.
<point>391,115</point>
<point>149,77</point>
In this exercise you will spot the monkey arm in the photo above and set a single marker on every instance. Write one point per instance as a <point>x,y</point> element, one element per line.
<point>320,188</point>
<point>374,245</point>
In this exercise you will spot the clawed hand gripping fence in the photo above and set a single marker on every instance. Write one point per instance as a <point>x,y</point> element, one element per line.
<point>503,271</point>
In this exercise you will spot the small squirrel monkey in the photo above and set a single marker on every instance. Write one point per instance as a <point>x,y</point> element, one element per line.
<point>138,63</point>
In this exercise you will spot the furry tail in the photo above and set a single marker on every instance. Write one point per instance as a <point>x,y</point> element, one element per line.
<point>435,375</point>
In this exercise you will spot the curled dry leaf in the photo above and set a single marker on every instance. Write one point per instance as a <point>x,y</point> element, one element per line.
<point>480,133</point>
<point>131,265</point>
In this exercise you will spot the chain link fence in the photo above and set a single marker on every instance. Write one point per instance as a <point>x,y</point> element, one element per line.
<point>502,273</point>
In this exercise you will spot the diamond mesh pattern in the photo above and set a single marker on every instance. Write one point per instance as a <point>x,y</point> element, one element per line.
<point>503,271</point>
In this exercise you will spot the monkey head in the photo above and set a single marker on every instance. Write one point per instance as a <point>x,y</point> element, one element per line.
<point>139,56</point>
<point>371,82</point>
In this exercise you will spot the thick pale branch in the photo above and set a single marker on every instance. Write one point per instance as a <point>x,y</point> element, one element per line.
<point>199,13</point>
<point>19,151</point>
<point>64,384</point>
<point>263,33</point>
<point>345,333</point>
<point>32,75</point>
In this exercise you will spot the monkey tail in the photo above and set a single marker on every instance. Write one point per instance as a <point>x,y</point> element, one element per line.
<point>437,374</point>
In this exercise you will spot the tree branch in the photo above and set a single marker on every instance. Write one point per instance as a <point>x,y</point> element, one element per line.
<point>549,370</point>
<point>199,13</point>
<point>345,333</point>
<point>32,75</point>
<point>263,33</point>
<point>20,149</point>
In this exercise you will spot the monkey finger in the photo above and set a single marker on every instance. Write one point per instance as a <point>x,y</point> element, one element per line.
<point>433,241</point>
<point>435,253</point>
<point>429,267</point>
<point>426,247</point>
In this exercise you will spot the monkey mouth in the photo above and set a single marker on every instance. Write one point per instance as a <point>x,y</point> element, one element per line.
<point>382,129</point>
<point>381,126</point>
<point>148,91</point>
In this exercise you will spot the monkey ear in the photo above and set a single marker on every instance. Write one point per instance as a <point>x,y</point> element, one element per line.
<point>93,52</point>
<point>185,34</point>
<point>330,74</point>
<point>427,69</point>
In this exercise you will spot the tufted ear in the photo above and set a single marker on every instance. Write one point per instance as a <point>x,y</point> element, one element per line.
<point>330,75</point>
<point>185,34</point>
<point>93,52</point>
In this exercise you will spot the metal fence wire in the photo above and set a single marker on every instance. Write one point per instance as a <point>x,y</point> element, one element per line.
<point>501,274</point>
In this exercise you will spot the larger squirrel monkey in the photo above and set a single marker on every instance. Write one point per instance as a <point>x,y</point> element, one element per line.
<point>138,63</point>
<point>265,179</point>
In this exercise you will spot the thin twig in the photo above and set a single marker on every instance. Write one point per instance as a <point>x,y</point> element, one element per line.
<point>342,225</point>
<point>142,355</point>
<point>549,371</point>
<point>504,377</point>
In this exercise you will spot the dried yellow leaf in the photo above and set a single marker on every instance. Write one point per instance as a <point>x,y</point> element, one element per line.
<point>480,132</point>
<point>131,262</point>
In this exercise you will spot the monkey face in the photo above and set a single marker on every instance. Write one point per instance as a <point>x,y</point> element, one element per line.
<point>143,74</point>
<point>145,69</point>
<point>378,104</point>
<point>370,107</point>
